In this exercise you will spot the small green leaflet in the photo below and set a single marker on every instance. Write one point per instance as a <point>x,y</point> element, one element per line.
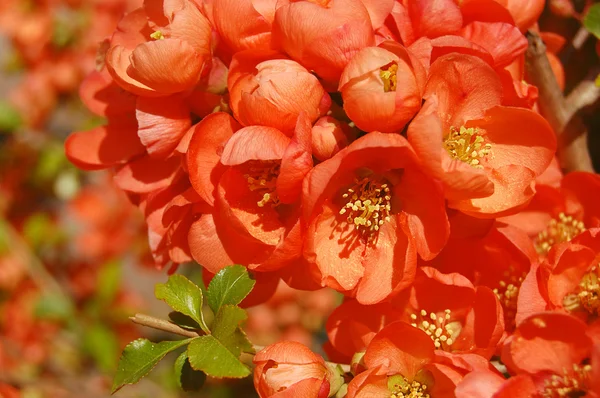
<point>139,358</point>
<point>229,286</point>
<point>207,354</point>
<point>591,20</point>
<point>184,297</point>
<point>226,329</point>
<point>187,378</point>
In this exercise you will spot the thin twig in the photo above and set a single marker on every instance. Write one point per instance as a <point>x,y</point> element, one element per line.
<point>576,43</point>
<point>571,133</point>
<point>165,326</point>
<point>586,93</point>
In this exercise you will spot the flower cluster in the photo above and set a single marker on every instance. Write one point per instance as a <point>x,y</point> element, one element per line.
<point>390,150</point>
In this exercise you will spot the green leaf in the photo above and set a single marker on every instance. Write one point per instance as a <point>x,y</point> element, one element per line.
<point>139,358</point>
<point>183,320</point>
<point>229,286</point>
<point>226,329</point>
<point>591,20</point>
<point>184,297</point>
<point>188,379</point>
<point>207,354</point>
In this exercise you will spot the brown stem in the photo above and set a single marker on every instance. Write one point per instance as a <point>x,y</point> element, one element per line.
<point>165,326</point>
<point>586,93</point>
<point>570,131</point>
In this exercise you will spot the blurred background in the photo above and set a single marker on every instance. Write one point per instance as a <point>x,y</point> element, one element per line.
<point>74,257</point>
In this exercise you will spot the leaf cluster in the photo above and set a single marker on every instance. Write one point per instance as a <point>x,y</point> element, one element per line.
<point>217,348</point>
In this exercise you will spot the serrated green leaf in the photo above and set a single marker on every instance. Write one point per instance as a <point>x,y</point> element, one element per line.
<point>184,297</point>
<point>139,357</point>
<point>225,328</point>
<point>183,320</point>
<point>591,20</point>
<point>229,286</point>
<point>207,354</point>
<point>187,378</point>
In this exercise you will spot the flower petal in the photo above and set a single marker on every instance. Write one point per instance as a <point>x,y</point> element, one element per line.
<point>254,143</point>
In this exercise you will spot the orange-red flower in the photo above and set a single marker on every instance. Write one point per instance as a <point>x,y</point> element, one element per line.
<point>160,49</point>
<point>369,209</point>
<point>244,25</point>
<point>558,214</point>
<point>556,351</point>
<point>351,327</point>
<point>400,361</point>
<point>329,136</point>
<point>567,281</point>
<point>288,369</point>
<point>499,257</point>
<point>268,90</point>
<point>382,87</point>
<point>336,32</point>
<point>525,13</point>
<point>459,317</point>
<point>474,146</point>
<point>252,179</point>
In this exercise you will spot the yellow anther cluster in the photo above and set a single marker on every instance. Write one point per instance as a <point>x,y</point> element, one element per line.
<point>508,293</point>
<point>436,326</point>
<point>157,35</point>
<point>570,384</point>
<point>467,145</point>
<point>561,229</point>
<point>587,295</point>
<point>262,177</point>
<point>388,75</point>
<point>402,388</point>
<point>368,205</point>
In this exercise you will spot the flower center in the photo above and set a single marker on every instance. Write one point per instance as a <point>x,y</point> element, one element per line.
<point>587,295</point>
<point>157,35</point>
<point>400,387</point>
<point>441,331</point>
<point>561,229</point>
<point>570,384</point>
<point>368,205</point>
<point>388,75</point>
<point>467,145</point>
<point>262,177</point>
<point>508,293</point>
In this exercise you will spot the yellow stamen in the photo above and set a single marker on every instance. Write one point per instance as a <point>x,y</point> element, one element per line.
<point>157,35</point>
<point>575,383</point>
<point>586,296</point>
<point>467,145</point>
<point>368,206</point>
<point>559,230</point>
<point>400,387</point>
<point>508,293</point>
<point>438,327</point>
<point>262,177</point>
<point>388,75</point>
